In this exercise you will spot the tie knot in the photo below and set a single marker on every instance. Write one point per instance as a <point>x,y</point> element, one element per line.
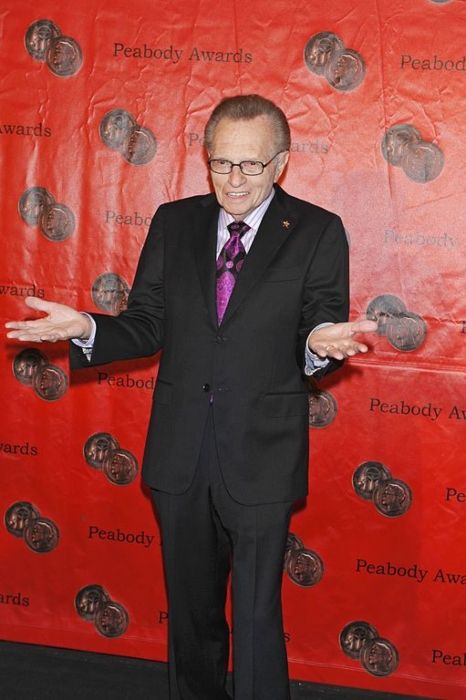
<point>238,228</point>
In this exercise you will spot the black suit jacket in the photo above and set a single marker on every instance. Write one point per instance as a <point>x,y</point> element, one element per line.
<point>294,277</point>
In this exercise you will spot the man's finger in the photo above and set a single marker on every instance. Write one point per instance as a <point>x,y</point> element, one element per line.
<point>38,304</point>
<point>22,335</point>
<point>363,326</point>
<point>24,325</point>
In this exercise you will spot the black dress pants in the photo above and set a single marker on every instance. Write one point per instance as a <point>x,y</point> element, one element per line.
<point>205,533</point>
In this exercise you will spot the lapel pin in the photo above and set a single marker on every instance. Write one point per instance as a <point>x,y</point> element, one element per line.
<point>286,224</point>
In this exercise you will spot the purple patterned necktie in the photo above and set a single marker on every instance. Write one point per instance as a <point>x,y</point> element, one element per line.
<point>229,263</point>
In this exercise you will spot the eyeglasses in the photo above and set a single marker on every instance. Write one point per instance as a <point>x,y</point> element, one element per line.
<point>247,167</point>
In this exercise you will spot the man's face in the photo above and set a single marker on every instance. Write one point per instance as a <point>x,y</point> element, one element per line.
<point>242,140</point>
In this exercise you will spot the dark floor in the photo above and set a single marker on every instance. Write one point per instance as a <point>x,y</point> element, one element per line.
<point>29,672</point>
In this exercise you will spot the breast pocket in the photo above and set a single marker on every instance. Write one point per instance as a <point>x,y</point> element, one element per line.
<point>282,274</point>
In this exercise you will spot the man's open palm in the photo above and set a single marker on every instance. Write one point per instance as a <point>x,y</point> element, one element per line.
<point>339,341</point>
<point>60,323</point>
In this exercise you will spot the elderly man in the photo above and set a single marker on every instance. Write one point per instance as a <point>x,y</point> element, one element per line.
<point>244,291</point>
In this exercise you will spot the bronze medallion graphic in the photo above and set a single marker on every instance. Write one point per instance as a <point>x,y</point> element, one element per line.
<point>293,544</point>
<point>64,56</point>
<point>97,448</point>
<point>57,222</point>
<point>33,203</point>
<point>379,657</point>
<point>423,161</point>
<point>383,308</point>
<point>322,408</point>
<point>120,467</point>
<point>406,332</point>
<point>345,70</point>
<point>18,516</point>
<point>354,636</point>
<point>402,146</point>
<point>41,535</point>
<point>304,567</point>
<point>120,132</point>
<point>115,129</point>
<point>89,600</point>
<point>141,146</point>
<point>111,619</point>
<point>27,363</point>
<point>319,50</point>
<point>110,291</point>
<point>392,497</point>
<point>367,477</point>
<point>396,141</point>
<point>50,382</point>
<point>38,38</point>
<point>119,302</point>
<point>325,54</point>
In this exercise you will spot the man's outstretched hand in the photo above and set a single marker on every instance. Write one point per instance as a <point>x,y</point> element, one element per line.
<point>339,341</point>
<point>60,323</point>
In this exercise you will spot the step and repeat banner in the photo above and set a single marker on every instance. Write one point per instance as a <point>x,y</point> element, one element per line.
<point>102,113</point>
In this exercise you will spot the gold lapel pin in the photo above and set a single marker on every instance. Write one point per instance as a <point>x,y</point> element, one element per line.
<point>286,224</point>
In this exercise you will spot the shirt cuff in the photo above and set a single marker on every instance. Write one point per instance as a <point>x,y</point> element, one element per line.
<point>87,345</point>
<point>312,362</point>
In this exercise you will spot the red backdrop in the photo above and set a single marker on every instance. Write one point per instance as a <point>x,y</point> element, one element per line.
<point>385,543</point>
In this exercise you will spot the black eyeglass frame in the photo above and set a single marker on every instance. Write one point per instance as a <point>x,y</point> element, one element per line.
<point>240,165</point>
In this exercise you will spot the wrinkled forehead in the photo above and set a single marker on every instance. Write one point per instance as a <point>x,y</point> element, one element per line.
<point>243,138</point>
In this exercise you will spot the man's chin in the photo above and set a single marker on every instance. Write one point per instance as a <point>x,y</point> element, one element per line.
<point>237,212</point>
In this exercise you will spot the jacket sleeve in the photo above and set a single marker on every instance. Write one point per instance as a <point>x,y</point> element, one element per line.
<point>139,330</point>
<point>326,290</point>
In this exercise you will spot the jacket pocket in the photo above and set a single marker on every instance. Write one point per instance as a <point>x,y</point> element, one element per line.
<point>282,274</point>
<point>285,405</point>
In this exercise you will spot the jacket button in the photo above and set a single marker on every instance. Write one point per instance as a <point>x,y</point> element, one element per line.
<point>206,387</point>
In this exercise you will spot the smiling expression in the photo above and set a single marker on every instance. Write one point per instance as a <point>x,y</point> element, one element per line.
<point>252,139</point>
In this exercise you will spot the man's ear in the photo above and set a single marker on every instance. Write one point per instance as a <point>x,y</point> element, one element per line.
<point>282,160</point>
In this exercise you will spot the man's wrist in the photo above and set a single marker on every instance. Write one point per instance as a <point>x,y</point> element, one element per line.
<point>317,328</point>
<point>87,328</point>
<point>312,361</point>
<point>86,339</point>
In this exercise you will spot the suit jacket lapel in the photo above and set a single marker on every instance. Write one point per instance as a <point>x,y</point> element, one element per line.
<point>205,247</point>
<point>274,230</point>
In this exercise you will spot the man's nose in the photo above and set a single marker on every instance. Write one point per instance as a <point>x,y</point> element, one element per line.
<point>236,177</point>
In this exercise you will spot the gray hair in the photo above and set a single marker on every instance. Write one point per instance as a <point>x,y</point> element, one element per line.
<point>246,107</point>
